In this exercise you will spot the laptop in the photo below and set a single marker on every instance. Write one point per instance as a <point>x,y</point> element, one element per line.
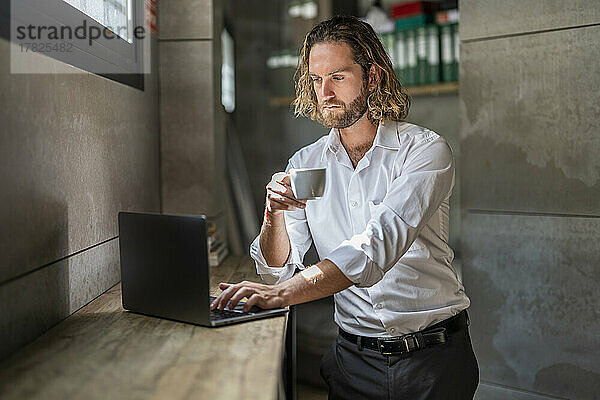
<point>164,270</point>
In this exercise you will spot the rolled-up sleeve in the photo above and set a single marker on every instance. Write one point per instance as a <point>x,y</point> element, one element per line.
<point>300,241</point>
<point>426,179</point>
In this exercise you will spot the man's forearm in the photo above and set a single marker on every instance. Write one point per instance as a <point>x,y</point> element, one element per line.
<point>320,280</point>
<point>274,240</point>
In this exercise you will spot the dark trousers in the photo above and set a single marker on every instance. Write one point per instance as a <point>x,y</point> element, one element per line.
<point>447,371</point>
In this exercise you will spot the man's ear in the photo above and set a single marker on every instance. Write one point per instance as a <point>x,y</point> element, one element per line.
<point>374,76</point>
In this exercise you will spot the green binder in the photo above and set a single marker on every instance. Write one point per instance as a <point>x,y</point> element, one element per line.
<point>411,57</point>
<point>401,57</point>
<point>389,45</point>
<point>422,72</point>
<point>413,22</point>
<point>433,53</point>
<point>447,52</point>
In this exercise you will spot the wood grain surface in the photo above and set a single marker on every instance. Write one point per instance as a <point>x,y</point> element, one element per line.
<point>105,352</point>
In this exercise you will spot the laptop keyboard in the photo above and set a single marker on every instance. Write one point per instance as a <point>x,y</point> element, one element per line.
<point>224,314</point>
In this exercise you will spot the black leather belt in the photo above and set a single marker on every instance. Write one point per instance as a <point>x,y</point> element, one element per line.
<point>435,334</point>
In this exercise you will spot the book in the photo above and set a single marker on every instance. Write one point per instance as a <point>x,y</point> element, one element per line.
<point>216,256</point>
<point>413,8</point>
<point>413,22</point>
<point>214,239</point>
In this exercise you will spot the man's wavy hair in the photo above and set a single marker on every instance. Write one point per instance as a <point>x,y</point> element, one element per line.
<point>387,102</point>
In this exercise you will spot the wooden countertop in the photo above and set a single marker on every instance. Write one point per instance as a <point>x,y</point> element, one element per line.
<point>104,352</point>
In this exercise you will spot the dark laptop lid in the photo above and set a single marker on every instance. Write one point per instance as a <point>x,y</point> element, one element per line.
<point>164,265</point>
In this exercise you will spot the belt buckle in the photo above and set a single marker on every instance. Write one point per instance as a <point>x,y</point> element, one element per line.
<point>397,344</point>
<point>382,344</point>
<point>414,341</point>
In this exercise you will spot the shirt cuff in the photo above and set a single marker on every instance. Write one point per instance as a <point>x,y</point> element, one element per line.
<point>280,274</point>
<point>354,262</point>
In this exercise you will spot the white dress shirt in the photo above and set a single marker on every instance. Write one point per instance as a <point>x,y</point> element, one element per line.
<point>385,225</point>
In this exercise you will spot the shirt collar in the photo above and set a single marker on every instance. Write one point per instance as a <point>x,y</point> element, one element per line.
<point>333,142</point>
<point>386,137</point>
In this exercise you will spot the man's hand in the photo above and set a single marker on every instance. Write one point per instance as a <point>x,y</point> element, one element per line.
<point>263,296</point>
<point>280,196</point>
<point>320,280</point>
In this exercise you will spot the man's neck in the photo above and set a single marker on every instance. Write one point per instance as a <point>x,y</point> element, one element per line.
<point>358,138</point>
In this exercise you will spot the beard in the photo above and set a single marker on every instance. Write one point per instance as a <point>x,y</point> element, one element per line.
<point>347,115</point>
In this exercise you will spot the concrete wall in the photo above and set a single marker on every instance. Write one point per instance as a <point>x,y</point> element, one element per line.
<point>191,115</point>
<point>530,173</point>
<point>74,150</point>
<point>442,115</point>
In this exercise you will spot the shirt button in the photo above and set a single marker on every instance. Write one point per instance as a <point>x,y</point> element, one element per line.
<point>354,203</point>
<point>379,306</point>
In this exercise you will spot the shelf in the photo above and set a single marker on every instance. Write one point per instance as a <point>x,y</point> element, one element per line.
<point>433,90</point>
<point>281,101</point>
<point>414,91</point>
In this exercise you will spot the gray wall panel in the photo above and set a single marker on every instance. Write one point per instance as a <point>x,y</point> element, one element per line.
<point>490,392</point>
<point>36,302</point>
<point>500,17</point>
<point>531,122</point>
<point>74,150</point>
<point>189,19</point>
<point>535,311</point>
<point>190,178</point>
<point>442,115</point>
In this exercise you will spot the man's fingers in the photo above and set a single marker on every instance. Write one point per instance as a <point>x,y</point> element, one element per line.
<point>277,176</point>
<point>285,199</point>
<point>278,204</point>
<point>226,295</point>
<point>285,180</point>
<point>216,301</point>
<point>285,191</point>
<point>240,294</point>
<point>252,301</point>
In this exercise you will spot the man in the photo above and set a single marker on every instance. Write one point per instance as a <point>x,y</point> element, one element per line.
<point>381,230</point>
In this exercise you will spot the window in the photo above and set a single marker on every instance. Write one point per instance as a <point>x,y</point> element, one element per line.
<point>105,37</point>
<point>114,13</point>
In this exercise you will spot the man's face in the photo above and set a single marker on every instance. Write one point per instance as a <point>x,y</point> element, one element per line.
<point>339,83</point>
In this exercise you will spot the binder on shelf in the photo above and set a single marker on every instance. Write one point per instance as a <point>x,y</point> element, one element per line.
<point>449,44</point>
<point>456,47</point>
<point>411,57</point>
<point>447,51</point>
<point>387,40</point>
<point>447,17</point>
<point>401,58</point>
<point>433,53</point>
<point>422,67</point>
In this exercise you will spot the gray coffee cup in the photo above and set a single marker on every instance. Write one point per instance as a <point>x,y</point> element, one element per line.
<point>308,183</point>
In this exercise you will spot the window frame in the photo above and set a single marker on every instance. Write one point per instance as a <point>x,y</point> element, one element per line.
<point>116,54</point>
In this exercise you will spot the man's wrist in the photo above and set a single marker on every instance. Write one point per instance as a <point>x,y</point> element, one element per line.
<point>284,293</point>
<point>273,218</point>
